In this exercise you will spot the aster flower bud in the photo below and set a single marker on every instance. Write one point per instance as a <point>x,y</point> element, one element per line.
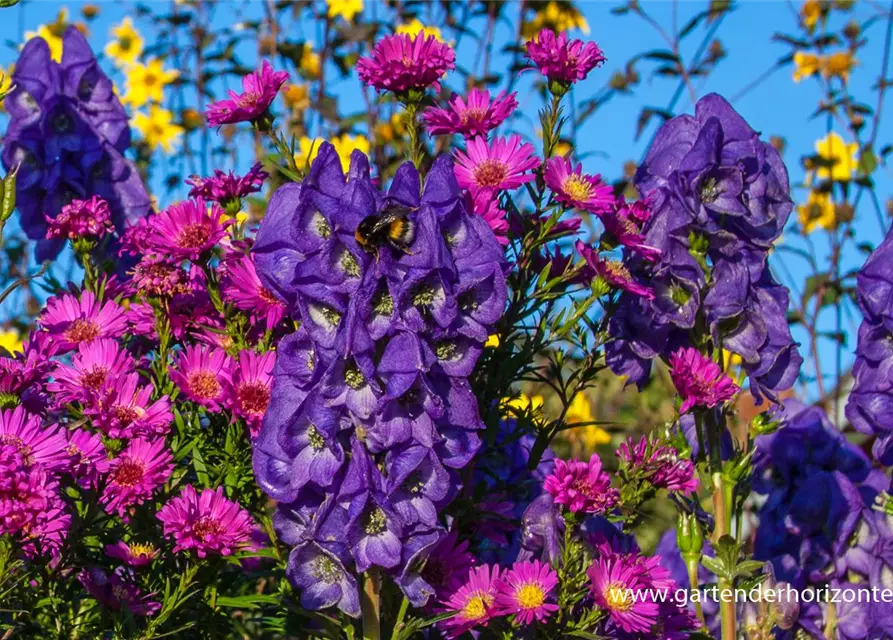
<point>689,535</point>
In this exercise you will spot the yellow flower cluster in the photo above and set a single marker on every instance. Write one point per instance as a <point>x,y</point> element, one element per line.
<point>414,27</point>
<point>835,65</point>
<point>817,212</point>
<point>582,439</point>
<point>52,33</point>
<point>10,340</point>
<point>346,9</point>
<point>344,146</point>
<point>840,162</point>
<point>558,16</point>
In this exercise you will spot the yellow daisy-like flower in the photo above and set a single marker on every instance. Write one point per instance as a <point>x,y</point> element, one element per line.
<point>842,156</point>
<point>296,96</point>
<point>591,435</point>
<point>511,407</point>
<point>817,211</point>
<point>308,149</point>
<point>5,82</point>
<point>52,33</point>
<point>414,27</point>
<point>127,45</point>
<point>810,12</point>
<point>805,65</point>
<point>310,61</point>
<point>392,129</point>
<point>346,9</point>
<point>158,128</point>
<point>11,340</point>
<point>558,16</point>
<point>492,341</point>
<point>146,82</point>
<point>839,65</point>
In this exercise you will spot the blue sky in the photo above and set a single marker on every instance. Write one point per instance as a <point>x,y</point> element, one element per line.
<point>778,106</point>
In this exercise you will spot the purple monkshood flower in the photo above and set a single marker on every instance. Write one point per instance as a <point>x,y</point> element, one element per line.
<point>614,273</point>
<point>562,60</point>
<point>474,116</point>
<point>401,63</point>
<point>228,188</point>
<point>258,91</point>
<point>575,189</point>
<point>322,579</point>
<point>699,381</point>
<point>447,565</point>
<point>89,219</point>
<point>582,487</point>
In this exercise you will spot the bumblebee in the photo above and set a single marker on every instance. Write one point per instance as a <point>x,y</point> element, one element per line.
<point>390,227</point>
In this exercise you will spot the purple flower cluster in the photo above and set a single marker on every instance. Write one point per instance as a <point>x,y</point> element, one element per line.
<point>870,405</point>
<point>817,525</point>
<point>720,199</point>
<point>372,414</point>
<point>69,132</point>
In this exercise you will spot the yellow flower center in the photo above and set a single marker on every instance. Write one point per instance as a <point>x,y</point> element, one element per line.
<point>576,187</point>
<point>142,550</point>
<point>615,597</point>
<point>531,596</point>
<point>476,607</point>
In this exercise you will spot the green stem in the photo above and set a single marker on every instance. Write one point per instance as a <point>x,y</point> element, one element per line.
<point>371,606</point>
<point>416,145</point>
<point>727,611</point>
<point>398,626</point>
<point>692,562</point>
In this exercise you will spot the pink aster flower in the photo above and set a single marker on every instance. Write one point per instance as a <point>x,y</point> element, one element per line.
<point>501,164</point>
<point>72,321</point>
<point>48,532</point>
<point>575,189</point>
<point>201,373</point>
<point>118,591</point>
<point>81,219</point>
<point>402,63</point>
<point>227,188</point>
<point>135,239</point>
<point>135,474</point>
<point>88,457</point>
<point>699,380</point>
<point>243,288</point>
<point>134,554</point>
<point>248,392</point>
<point>94,364</point>
<point>659,465</point>
<point>127,410</point>
<point>37,444</point>
<point>27,492</point>
<point>524,591</point>
<point>473,602</point>
<point>207,522</point>
<point>614,581</point>
<point>186,230</point>
<point>623,225</point>
<point>581,486</point>
<point>158,276</point>
<point>259,89</point>
<point>561,60</point>
<point>484,204</point>
<point>476,117</point>
<point>612,272</point>
<point>447,566</point>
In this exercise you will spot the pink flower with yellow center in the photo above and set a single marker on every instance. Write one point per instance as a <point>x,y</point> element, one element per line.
<point>201,373</point>
<point>575,189</point>
<point>72,321</point>
<point>186,230</point>
<point>699,380</point>
<point>614,273</point>
<point>615,580</point>
<point>501,164</point>
<point>525,590</point>
<point>473,116</point>
<point>472,602</point>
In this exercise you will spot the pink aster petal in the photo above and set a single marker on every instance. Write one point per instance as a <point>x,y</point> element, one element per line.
<point>699,381</point>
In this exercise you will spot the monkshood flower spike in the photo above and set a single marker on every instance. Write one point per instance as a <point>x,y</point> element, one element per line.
<point>389,335</point>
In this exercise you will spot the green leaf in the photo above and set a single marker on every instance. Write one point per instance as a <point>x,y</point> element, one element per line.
<point>253,601</point>
<point>868,161</point>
